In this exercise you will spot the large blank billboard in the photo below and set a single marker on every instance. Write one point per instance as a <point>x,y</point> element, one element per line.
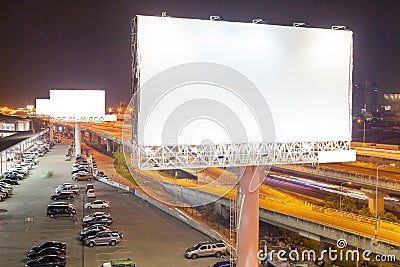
<point>73,105</point>
<point>302,74</point>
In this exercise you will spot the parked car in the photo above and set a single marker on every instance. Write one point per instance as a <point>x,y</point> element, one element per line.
<point>91,193</point>
<point>15,172</point>
<point>96,214</point>
<point>92,230</point>
<point>63,203</point>
<point>98,204</point>
<point>68,187</point>
<point>3,196</point>
<point>49,244</point>
<point>103,238</point>
<point>87,177</point>
<point>5,185</point>
<point>223,264</point>
<point>46,251</point>
<point>101,219</point>
<point>76,172</point>
<point>47,260</point>
<point>63,195</point>
<point>60,210</point>
<point>12,176</point>
<point>10,181</point>
<point>7,190</point>
<point>89,186</point>
<point>204,249</point>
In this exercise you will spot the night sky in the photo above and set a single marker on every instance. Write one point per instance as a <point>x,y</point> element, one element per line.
<point>47,44</point>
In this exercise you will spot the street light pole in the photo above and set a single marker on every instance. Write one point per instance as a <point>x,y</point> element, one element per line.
<point>364,133</point>
<point>363,128</point>
<point>376,197</point>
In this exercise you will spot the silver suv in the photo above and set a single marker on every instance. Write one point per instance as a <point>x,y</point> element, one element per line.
<point>107,237</point>
<point>204,249</point>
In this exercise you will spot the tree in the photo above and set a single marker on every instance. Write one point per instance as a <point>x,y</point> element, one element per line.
<point>365,211</point>
<point>349,204</point>
<point>388,216</point>
<point>331,201</point>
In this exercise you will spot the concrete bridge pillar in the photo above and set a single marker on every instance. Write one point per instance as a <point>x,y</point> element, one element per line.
<point>77,138</point>
<point>373,202</point>
<point>109,145</point>
<point>98,141</point>
<point>51,131</point>
<point>222,209</point>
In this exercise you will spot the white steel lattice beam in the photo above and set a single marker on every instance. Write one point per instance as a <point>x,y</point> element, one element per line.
<point>227,155</point>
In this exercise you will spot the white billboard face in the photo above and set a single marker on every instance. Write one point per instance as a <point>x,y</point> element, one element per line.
<point>78,103</point>
<point>43,107</point>
<point>301,76</point>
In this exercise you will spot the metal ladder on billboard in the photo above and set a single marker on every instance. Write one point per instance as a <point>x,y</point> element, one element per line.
<point>232,224</point>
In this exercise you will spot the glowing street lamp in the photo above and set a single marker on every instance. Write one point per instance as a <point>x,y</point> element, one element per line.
<point>359,121</point>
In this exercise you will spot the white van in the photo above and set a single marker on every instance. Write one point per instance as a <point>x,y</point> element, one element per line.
<point>91,193</point>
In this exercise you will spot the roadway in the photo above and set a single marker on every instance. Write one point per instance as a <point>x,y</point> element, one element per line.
<point>273,200</point>
<point>151,237</point>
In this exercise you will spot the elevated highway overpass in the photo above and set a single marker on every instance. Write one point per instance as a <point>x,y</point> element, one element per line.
<point>315,222</point>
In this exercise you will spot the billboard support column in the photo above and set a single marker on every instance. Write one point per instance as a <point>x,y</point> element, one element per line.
<point>51,131</point>
<point>248,217</point>
<point>77,138</point>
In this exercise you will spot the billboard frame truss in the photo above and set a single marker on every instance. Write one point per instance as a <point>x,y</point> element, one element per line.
<point>229,155</point>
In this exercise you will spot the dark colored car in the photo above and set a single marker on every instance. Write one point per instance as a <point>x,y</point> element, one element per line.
<point>60,210</point>
<point>63,195</point>
<point>48,244</point>
<point>104,220</point>
<point>12,176</point>
<point>47,261</point>
<point>89,186</point>
<point>223,264</point>
<point>46,251</point>
<point>10,181</point>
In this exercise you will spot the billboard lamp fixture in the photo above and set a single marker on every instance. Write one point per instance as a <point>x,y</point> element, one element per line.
<point>338,27</point>
<point>300,24</point>
<point>215,18</point>
<point>257,21</point>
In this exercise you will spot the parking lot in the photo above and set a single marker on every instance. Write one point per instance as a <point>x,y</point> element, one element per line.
<point>151,237</point>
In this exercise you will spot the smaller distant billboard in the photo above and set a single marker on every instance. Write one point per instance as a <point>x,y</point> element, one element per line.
<point>43,107</point>
<point>71,105</point>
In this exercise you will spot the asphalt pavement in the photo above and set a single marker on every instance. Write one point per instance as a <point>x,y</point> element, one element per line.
<point>151,237</point>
